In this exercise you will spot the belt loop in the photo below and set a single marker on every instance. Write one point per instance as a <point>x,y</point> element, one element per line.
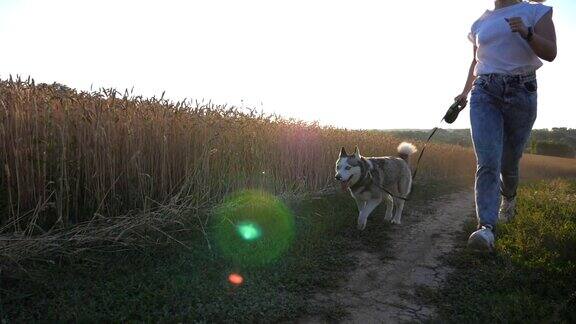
<point>530,76</point>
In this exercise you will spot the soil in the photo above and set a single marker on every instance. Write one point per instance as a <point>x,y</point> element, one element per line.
<point>381,290</point>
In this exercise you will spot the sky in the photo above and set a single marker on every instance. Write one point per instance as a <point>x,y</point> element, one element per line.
<point>353,64</point>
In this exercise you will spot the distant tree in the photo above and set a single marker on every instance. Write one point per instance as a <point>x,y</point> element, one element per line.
<point>553,149</point>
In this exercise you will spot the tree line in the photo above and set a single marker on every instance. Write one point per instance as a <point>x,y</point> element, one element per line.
<point>558,141</point>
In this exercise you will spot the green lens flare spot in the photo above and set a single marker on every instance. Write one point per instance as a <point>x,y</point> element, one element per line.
<point>252,228</point>
<point>249,231</point>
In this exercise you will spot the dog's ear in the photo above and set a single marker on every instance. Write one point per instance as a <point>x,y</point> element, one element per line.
<point>357,153</point>
<point>343,152</point>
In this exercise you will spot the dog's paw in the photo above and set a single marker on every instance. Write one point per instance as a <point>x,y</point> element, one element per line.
<point>388,217</point>
<point>396,221</point>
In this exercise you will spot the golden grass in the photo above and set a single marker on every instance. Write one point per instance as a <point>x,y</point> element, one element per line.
<point>68,156</point>
<point>540,167</point>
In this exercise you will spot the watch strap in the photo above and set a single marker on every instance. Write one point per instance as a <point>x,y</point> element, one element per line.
<point>530,34</point>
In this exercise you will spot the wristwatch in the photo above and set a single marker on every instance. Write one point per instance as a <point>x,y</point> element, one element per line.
<point>528,37</point>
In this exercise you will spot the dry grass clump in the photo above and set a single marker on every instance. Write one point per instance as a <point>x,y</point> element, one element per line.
<point>115,234</point>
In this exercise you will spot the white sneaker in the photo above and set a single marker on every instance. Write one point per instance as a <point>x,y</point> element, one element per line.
<point>482,239</point>
<point>507,209</point>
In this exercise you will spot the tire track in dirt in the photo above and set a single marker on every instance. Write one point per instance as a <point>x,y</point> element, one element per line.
<point>381,291</point>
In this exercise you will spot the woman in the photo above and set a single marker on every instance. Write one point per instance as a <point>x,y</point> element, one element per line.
<point>509,43</point>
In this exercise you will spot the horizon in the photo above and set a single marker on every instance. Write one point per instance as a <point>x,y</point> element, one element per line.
<point>337,57</point>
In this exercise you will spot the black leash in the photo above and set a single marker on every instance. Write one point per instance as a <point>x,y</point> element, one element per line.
<point>449,118</point>
<point>422,152</point>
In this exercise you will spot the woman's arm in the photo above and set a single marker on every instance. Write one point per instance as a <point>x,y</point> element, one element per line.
<point>462,98</point>
<point>543,41</point>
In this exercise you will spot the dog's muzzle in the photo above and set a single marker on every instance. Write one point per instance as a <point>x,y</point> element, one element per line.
<point>344,184</point>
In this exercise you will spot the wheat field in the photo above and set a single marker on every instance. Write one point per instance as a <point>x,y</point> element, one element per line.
<point>69,156</point>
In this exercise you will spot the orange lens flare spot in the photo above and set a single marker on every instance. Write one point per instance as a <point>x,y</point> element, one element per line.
<point>235,279</point>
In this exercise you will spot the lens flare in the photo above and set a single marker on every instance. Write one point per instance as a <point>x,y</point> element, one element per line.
<point>252,228</point>
<point>249,231</point>
<point>235,279</point>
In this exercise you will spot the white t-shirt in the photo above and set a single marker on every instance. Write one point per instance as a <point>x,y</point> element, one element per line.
<point>499,49</point>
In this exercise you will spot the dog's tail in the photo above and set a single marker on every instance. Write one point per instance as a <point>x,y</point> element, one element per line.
<point>406,149</point>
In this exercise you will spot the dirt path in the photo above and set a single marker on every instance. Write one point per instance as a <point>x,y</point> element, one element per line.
<point>380,291</point>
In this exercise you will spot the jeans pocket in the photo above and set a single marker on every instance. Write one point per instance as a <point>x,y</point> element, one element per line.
<point>479,82</point>
<point>531,86</point>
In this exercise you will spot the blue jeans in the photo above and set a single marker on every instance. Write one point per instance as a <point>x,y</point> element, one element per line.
<point>502,113</point>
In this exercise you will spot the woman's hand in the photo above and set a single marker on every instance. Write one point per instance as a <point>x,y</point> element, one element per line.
<point>543,41</point>
<point>517,26</point>
<point>462,99</point>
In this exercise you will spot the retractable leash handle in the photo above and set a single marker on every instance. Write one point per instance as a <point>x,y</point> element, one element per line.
<point>450,116</point>
<point>453,112</point>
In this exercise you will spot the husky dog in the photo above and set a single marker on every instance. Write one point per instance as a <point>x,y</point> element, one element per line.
<point>371,180</point>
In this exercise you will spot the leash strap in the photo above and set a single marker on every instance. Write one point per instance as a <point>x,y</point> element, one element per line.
<point>422,152</point>
<point>434,130</point>
<point>450,117</point>
<point>397,197</point>
<point>384,189</point>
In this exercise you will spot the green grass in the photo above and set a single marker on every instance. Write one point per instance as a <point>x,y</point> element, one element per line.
<point>530,278</point>
<point>175,284</point>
